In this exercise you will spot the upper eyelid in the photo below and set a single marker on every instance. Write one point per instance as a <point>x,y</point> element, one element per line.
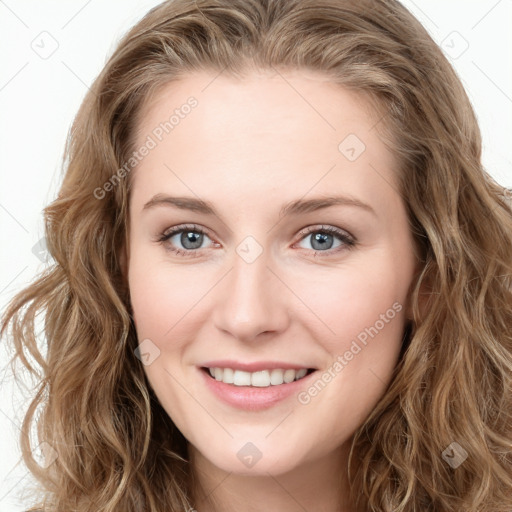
<point>303,232</point>
<point>169,233</point>
<point>184,227</point>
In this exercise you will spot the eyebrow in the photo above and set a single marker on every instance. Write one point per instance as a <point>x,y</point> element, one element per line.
<point>298,206</point>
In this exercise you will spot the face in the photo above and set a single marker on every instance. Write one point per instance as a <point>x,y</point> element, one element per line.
<point>289,249</point>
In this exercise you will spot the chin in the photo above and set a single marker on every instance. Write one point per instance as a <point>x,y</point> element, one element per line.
<point>253,458</point>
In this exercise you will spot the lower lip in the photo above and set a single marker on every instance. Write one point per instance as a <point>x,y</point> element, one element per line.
<point>251,398</point>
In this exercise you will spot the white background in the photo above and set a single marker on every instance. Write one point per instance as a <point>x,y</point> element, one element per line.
<point>39,97</point>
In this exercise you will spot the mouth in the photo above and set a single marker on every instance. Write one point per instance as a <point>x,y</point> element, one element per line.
<point>259,379</point>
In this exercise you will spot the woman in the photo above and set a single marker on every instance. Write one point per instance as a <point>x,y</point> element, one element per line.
<point>339,339</point>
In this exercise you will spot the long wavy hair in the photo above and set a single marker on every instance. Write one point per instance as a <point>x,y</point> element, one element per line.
<point>117,448</point>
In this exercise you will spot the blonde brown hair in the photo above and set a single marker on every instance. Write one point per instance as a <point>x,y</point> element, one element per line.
<point>117,449</point>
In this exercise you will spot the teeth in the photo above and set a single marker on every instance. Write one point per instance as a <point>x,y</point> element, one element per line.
<point>241,378</point>
<point>228,376</point>
<point>261,379</point>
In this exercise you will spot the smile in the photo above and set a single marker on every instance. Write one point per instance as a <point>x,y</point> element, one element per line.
<point>261,379</point>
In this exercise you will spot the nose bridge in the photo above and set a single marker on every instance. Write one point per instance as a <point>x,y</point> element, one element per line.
<point>252,300</point>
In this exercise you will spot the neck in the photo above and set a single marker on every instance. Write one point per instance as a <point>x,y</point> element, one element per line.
<point>319,485</point>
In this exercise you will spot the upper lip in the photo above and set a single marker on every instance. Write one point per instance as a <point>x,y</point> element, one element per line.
<point>253,367</point>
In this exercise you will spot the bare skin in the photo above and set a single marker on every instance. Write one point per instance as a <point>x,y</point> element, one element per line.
<point>249,147</point>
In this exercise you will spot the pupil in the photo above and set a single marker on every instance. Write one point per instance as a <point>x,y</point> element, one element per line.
<point>191,238</point>
<point>321,238</point>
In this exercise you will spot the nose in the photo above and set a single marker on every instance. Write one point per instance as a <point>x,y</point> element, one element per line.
<point>252,300</point>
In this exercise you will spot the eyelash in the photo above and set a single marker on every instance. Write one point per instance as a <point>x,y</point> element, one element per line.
<point>348,241</point>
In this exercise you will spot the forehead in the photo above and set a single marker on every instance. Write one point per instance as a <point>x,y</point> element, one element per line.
<point>279,129</point>
<point>259,99</point>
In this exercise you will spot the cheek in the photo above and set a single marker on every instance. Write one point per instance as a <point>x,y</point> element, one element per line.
<point>162,301</point>
<point>352,315</point>
<point>361,330</point>
<point>356,299</point>
<point>162,296</point>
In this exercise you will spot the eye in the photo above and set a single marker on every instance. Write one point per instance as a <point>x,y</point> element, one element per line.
<point>323,239</point>
<point>190,237</point>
